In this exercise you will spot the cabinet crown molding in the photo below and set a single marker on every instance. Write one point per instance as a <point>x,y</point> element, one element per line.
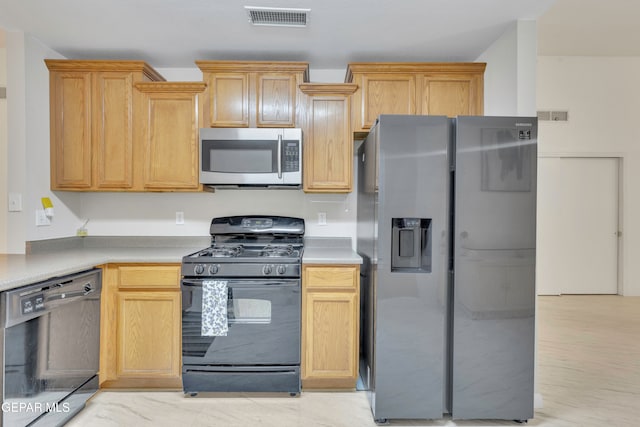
<point>413,67</point>
<point>182,87</point>
<point>328,88</point>
<point>97,65</point>
<point>254,66</point>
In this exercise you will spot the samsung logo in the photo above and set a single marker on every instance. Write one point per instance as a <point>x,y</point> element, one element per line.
<point>524,124</point>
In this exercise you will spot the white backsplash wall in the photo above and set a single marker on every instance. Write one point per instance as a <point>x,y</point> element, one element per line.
<point>154,214</point>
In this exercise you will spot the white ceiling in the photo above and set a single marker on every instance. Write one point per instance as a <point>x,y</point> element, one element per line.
<point>175,33</point>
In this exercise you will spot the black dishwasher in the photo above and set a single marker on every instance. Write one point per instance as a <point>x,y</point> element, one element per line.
<point>50,339</point>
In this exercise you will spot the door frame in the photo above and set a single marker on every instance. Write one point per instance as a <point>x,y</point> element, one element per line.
<point>620,160</point>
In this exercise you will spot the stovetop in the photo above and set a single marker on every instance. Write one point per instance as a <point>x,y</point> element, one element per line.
<point>249,246</point>
<point>248,252</point>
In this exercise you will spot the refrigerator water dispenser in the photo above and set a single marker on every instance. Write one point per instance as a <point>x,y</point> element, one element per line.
<point>411,245</point>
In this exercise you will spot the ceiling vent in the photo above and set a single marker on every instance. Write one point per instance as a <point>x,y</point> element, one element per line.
<point>277,16</point>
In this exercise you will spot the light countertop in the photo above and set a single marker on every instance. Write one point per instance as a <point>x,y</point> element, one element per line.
<point>59,258</point>
<point>329,250</point>
<point>19,270</point>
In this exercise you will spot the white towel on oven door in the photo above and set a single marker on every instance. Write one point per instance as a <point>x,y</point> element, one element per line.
<point>214,308</point>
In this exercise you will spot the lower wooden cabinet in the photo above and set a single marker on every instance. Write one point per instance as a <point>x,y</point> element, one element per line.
<point>330,329</point>
<point>140,342</point>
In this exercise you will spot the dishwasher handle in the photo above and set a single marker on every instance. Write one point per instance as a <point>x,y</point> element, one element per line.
<point>70,296</point>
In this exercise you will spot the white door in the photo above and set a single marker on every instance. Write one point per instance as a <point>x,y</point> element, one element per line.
<point>577,247</point>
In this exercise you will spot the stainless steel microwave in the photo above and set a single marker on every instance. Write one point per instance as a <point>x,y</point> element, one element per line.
<point>251,157</point>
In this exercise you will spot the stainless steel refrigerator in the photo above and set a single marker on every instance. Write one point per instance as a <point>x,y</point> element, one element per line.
<point>447,231</point>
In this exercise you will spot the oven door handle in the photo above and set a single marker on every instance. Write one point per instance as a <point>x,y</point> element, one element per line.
<point>197,283</point>
<point>279,156</point>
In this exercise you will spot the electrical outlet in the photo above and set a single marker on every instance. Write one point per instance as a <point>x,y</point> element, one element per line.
<point>180,218</point>
<point>42,218</point>
<point>322,218</point>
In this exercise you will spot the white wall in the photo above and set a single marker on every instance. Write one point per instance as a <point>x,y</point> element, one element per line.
<point>16,139</point>
<point>3,148</point>
<point>603,100</point>
<point>28,144</point>
<point>28,103</point>
<point>510,76</point>
<point>500,77</point>
<point>38,168</point>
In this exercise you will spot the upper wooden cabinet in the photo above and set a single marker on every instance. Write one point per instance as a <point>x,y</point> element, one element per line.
<point>167,122</point>
<point>415,88</point>
<point>328,142</point>
<point>252,93</point>
<point>92,132</point>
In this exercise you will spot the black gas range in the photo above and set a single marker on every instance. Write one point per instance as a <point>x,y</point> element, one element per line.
<point>244,246</point>
<point>241,302</point>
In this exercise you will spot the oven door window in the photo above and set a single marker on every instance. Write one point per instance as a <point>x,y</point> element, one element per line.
<point>263,318</point>
<point>245,156</point>
<point>249,311</point>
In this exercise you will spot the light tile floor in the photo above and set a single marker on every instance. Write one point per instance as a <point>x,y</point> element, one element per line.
<point>588,375</point>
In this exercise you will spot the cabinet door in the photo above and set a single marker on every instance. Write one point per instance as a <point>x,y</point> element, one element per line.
<point>328,151</point>
<point>140,326</point>
<point>330,340</point>
<point>149,334</point>
<point>229,99</point>
<point>113,130</point>
<point>386,94</point>
<point>276,100</point>
<point>171,141</point>
<point>70,130</point>
<point>452,95</point>
<point>330,316</point>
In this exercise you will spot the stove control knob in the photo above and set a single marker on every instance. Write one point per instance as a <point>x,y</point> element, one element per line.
<point>213,269</point>
<point>282,269</point>
<point>267,269</point>
<point>199,269</point>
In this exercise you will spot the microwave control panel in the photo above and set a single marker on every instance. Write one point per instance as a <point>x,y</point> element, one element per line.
<point>291,156</point>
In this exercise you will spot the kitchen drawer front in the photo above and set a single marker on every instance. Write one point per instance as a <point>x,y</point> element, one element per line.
<point>149,276</point>
<point>331,277</point>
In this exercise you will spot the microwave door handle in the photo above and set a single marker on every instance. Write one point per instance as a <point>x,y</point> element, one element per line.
<point>279,156</point>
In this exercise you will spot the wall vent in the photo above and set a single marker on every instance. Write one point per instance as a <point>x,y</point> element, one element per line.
<point>554,116</point>
<point>277,16</point>
<point>544,115</point>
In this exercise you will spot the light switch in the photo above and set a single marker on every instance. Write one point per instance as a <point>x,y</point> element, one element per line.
<point>15,202</point>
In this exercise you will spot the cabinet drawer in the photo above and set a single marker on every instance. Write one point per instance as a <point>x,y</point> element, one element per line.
<point>149,277</point>
<point>332,277</point>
